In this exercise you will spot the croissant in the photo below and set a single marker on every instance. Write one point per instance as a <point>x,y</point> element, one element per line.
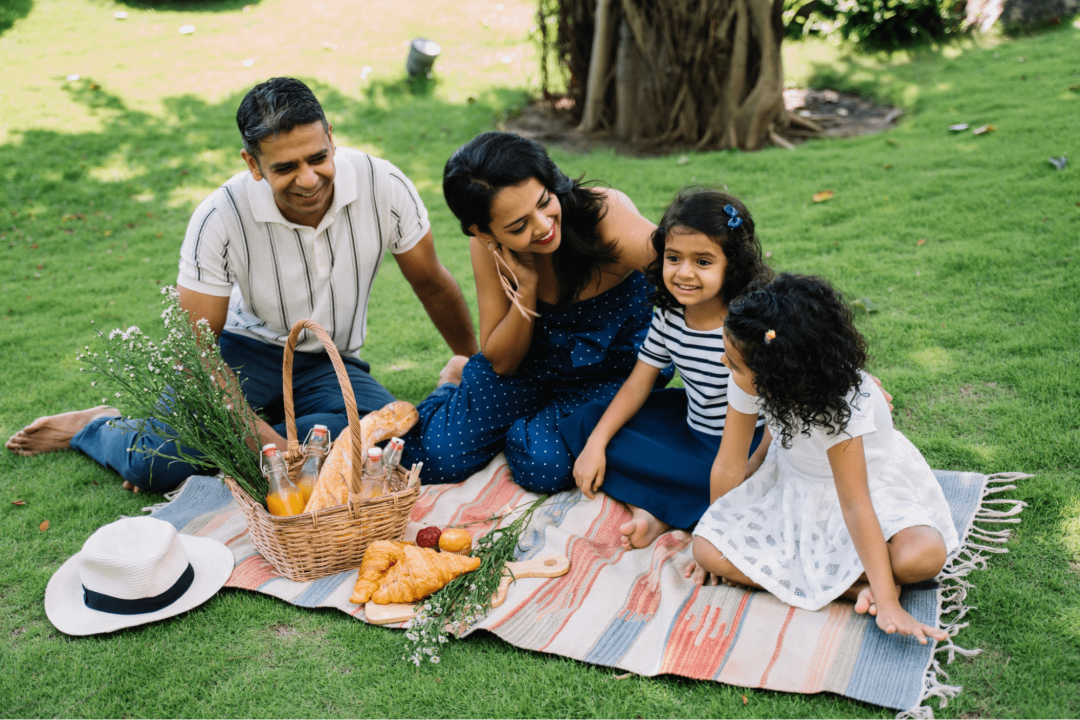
<point>378,558</point>
<point>332,487</point>
<point>421,572</point>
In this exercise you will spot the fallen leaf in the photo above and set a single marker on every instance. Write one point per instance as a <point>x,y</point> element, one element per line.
<point>43,526</point>
<point>395,368</point>
<point>864,305</point>
<point>886,166</point>
<point>895,143</point>
<point>1059,162</point>
<point>624,676</point>
<point>745,700</point>
<point>959,127</point>
<point>988,128</point>
<point>683,159</point>
<point>18,502</point>
<point>823,196</point>
<point>920,241</point>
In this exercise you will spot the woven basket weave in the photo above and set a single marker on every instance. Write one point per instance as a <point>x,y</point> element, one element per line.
<point>313,545</point>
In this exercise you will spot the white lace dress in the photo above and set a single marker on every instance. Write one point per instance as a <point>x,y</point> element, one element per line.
<point>784,528</point>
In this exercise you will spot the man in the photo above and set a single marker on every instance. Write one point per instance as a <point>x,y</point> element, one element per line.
<point>300,235</point>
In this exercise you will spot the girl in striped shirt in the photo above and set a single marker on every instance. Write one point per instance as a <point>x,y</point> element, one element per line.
<point>655,451</point>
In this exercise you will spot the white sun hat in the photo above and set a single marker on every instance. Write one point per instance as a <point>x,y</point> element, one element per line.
<point>134,571</point>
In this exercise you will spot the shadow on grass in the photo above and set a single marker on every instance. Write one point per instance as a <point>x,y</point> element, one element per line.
<point>188,5</point>
<point>12,11</point>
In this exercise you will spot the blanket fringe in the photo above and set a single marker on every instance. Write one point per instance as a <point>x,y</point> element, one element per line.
<point>169,497</point>
<point>980,538</point>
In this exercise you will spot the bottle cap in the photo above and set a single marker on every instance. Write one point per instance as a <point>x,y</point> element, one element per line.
<point>321,427</point>
<point>269,449</point>
<point>374,453</point>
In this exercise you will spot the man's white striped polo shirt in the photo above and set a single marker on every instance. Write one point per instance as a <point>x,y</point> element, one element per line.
<point>276,272</point>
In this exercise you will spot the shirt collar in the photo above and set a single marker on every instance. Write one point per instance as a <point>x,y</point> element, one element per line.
<point>264,209</point>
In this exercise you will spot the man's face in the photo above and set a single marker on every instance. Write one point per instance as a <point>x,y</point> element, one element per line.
<point>299,165</point>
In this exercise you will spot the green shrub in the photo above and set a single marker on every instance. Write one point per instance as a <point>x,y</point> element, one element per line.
<point>877,24</point>
<point>12,10</point>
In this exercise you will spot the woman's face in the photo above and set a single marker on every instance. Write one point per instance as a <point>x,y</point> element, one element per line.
<point>525,217</point>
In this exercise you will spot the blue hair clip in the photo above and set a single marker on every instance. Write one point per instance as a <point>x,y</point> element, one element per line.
<point>735,220</point>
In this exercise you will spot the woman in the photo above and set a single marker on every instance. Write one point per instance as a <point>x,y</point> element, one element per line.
<point>563,308</point>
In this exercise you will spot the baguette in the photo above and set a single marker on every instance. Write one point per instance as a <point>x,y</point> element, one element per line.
<point>332,487</point>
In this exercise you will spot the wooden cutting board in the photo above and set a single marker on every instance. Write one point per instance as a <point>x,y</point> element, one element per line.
<point>547,566</point>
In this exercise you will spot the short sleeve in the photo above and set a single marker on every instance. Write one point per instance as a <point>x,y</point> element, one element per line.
<point>654,350</point>
<point>408,212</point>
<point>861,422</point>
<point>204,257</point>
<point>739,399</point>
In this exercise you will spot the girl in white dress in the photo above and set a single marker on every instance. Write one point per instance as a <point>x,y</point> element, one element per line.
<point>843,504</point>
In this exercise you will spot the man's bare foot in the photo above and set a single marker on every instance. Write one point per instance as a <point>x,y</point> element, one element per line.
<point>642,529</point>
<point>132,488</point>
<point>54,432</point>
<point>451,373</point>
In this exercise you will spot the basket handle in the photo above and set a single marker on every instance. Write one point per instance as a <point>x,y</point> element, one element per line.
<point>346,391</point>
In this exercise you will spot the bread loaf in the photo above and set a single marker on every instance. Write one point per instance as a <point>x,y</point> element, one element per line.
<point>332,488</point>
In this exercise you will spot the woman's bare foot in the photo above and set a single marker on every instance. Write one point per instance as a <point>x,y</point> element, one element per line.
<point>451,373</point>
<point>642,529</point>
<point>54,432</point>
<point>132,488</point>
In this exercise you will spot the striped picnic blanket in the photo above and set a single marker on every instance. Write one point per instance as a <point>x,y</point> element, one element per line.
<point>635,610</point>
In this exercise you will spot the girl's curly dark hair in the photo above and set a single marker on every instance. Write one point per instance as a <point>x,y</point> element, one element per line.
<point>701,210</point>
<point>806,373</point>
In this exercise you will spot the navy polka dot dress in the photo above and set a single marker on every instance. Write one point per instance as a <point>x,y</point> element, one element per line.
<point>578,355</point>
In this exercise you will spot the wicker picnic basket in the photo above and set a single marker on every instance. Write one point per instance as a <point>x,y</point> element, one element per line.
<point>317,544</point>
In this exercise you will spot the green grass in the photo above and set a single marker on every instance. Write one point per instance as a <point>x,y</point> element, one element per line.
<point>976,337</point>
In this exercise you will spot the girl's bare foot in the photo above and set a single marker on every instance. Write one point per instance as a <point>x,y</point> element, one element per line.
<point>54,432</point>
<point>451,372</point>
<point>132,488</point>
<point>642,529</point>
<point>699,575</point>
<point>863,596</point>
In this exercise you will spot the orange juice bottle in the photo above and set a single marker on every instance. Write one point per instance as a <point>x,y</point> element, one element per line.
<point>282,498</point>
<point>316,447</point>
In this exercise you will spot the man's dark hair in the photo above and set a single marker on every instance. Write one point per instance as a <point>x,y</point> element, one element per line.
<point>274,107</point>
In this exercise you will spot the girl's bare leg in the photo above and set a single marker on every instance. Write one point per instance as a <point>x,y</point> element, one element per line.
<point>711,560</point>
<point>917,553</point>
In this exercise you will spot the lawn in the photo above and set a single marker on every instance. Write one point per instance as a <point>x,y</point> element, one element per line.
<point>968,245</point>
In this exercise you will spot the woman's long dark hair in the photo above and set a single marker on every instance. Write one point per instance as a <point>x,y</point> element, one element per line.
<point>807,372</point>
<point>702,210</point>
<point>491,161</point>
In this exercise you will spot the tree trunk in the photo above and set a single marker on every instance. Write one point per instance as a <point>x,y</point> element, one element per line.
<point>702,73</point>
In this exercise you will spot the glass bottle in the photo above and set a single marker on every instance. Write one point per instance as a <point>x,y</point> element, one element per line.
<point>373,475</point>
<point>391,459</point>
<point>282,497</point>
<point>315,447</point>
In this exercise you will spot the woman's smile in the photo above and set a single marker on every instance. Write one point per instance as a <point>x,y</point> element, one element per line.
<point>547,238</point>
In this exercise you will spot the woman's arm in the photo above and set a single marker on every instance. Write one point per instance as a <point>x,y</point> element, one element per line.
<point>731,465</point>
<point>848,462</point>
<point>505,333</point>
<point>591,463</point>
<point>627,230</point>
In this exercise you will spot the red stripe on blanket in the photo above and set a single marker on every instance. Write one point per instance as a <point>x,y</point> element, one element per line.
<point>827,647</point>
<point>699,641</point>
<point>645,595</point>
<point>252,573</point>
<point>776,651</point>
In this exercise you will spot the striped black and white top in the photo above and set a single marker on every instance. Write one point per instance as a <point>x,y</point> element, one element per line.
<point>238,245</point>
<point>696,355</point>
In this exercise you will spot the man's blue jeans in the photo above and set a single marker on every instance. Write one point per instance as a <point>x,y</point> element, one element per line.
<point>116,443</point>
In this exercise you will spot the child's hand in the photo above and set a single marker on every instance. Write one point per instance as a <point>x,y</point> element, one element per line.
<point>589,469</point>
<point>894,619</point>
